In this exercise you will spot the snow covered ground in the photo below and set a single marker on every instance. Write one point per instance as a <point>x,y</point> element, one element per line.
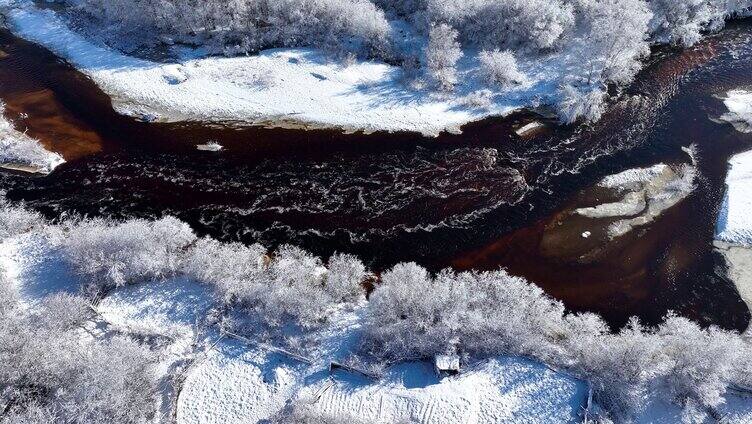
<point>283,87</point>
<point>734,225</point>
<point>739,104</point>
<point>205,379</point>
<point>734,221</point>
<point>32,261</point>
<point>233,382</point>
<point>238,383</point>
<point>20,152</point>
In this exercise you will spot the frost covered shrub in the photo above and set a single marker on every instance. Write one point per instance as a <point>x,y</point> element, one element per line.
<point>110,255</point>
<point>682,21</point>
<point>233,269</point>
<point>506,24</point>
<point>344,276</point>
<point>500,68</point>
<point>48,372</point>
<point>289,286</point>
<point>442,54</point>
<point>243,26</point>
<point>575,104</point>
<point>413,315</point>
<point>296,287</point>
<point>15,219</point>
<point>616,33</point>
<point>620,366</point>
<point>702,363</point>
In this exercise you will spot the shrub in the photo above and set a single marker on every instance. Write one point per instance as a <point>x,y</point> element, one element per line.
<point>297,288</point>
<point>235,270</point>
<point>414,315</point>
<point>110,255</point>
<point>500,68</point>
<point>244,26</point>
<point>15,220</point>
<point>49,373</point>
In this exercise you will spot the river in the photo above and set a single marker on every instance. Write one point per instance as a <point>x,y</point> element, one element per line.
<point>479,200</point>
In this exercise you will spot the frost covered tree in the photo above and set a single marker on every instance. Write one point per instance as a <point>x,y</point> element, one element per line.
<point>505,24</point>
<point>442,54</point>
<point>683,21</point>
<point>233,269</point>
<point>574,104</point>
<point>244,26</point>
<point>615,37</point>
<point>702,363</point>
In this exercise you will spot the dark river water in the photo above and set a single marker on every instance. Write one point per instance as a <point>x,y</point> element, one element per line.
<point>478,200</point>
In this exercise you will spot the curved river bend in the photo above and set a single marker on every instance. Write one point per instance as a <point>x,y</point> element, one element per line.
<point>480,200</point>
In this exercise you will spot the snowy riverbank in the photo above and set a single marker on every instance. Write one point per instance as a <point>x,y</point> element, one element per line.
<point>287,87</point>
<point>221,380</point>
<point>19,152</point>
<point>172,294</point>
<point>734,225</point>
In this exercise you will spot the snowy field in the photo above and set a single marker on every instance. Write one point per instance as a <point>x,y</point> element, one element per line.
<point>286,87</point>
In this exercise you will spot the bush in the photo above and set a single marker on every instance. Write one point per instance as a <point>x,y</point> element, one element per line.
<point>15,220</point>
<point>500,68</point>
<point>110,255</point>
<point>414,315</point>
<point>508,24</point>
<point>233,269</point>
<point>50,374</point>
<point>297,288</point>
<point>245,26</point>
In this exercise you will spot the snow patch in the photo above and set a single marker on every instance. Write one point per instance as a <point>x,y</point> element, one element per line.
<point>19,152</point>
<point>35,264</point>
<point>235,384</point>
<point>739,104</point>
<point>172,308</point>
<point>734,223</point>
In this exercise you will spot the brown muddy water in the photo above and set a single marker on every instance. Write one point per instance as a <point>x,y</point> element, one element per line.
<point>480,200</point>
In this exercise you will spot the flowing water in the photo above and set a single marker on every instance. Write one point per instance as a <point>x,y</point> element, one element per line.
<point>479,200</point>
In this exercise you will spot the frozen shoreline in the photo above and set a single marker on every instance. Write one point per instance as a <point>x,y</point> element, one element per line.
<point>21,153</point>
<point>734,225</point>
<point>292,87</point>
<point>739,104</point>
